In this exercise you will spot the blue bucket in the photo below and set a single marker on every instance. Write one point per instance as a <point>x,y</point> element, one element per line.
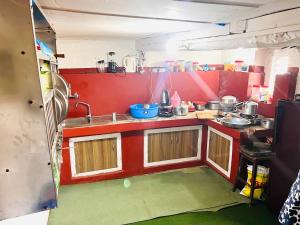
<point>140,112</point>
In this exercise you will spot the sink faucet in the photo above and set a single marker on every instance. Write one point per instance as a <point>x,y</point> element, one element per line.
<point>89,115</point>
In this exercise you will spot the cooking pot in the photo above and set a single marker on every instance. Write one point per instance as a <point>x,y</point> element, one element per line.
<point>267,123</point>
<point>227,103</point>
<point>228,100</point>
<point>199,106</point>
<point>182,110</point>
<point>213,105</point>
<point>248,108</point>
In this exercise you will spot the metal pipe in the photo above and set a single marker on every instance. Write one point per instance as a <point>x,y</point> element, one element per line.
<point>89,116</point>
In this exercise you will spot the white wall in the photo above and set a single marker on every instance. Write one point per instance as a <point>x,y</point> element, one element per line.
<point>265,57</point>
<point>85,53</point>
<point>157,58</point>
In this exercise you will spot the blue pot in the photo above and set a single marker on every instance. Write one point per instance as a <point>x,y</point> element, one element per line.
<point>138,111</point>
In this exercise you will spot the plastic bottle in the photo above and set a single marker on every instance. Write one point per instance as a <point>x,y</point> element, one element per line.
<point>175,99</point>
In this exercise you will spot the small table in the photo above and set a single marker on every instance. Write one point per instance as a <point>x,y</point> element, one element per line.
<point>256,157</point>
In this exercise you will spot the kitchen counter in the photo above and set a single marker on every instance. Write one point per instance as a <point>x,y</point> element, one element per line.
<point>103,124</point>
<point>76,127</point>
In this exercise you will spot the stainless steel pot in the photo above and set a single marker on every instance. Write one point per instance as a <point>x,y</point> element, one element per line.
<point>182,110</point>
<point>249,108</point>
<point>267,123</point>
<point>228,100</point>
<point>213,105</point>
<point>199,106</point>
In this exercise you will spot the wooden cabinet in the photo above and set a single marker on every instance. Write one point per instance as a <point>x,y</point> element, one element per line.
<point>219,151</point>
<point>95,154</point>
<point>172,145</point>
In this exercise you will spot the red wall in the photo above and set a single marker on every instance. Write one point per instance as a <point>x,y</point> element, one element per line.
<point>109,93</point>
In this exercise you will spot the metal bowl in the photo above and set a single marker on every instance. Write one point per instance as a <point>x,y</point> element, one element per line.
<point>235,122</point>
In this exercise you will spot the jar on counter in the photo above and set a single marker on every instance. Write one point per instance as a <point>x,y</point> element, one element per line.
<point>101,66</point>
<point>180,65</point>
<point>195,66</point>
<point>169,65</point>
<point>238,65</point>
<point>188,66</point>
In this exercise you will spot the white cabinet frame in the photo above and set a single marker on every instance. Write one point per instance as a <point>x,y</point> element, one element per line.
<point>72,141</point>
<point>171,129</point>
<point>225,172</point>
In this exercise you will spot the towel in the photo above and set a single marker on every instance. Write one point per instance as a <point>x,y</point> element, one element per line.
<point>290,212</point>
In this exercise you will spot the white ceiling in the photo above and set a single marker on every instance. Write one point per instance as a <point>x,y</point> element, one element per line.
<point>87,23</point>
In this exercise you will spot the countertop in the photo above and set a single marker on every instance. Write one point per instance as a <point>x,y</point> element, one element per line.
<point>75,127</point>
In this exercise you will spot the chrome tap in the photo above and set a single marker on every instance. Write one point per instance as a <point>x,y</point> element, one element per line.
<point>89,115</point>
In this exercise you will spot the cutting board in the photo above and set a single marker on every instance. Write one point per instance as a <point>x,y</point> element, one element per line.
<point>207,114</point>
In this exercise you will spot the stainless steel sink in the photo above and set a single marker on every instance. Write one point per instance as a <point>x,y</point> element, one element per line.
<point>96,120</point>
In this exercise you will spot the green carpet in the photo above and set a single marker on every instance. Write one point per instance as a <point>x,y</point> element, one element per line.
<point>235,215</point>
<point>144,197</point>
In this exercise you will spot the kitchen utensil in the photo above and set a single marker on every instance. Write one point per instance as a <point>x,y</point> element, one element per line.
<point>199,106</point>
<point>175,99</point>
<point>140,112</point>
<point>297,97</point>
<point>249,108</point>
<point>182,110</point>
<point>165,108</point>
<point>213,105</point>
<point>61,84</point>
<point>64,102</point>
<point>191,107</point>
<point>130,63</point>
<point>112,65</point>
<point>58,109</point>
<point>228,101</point>
<point>165,99</point>
<point>234,122</point>
<point>165,111</point>
<point>101,66</point>
<point>207,114</point>
<point>267,123</point>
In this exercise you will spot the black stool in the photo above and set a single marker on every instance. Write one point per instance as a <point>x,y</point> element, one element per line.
<point>256,157</point>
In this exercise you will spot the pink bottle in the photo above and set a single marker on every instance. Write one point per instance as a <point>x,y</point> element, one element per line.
<point>175,99</point>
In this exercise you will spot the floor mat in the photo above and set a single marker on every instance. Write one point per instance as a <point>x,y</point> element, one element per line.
<point>240,214</point>
<point>144,197</point>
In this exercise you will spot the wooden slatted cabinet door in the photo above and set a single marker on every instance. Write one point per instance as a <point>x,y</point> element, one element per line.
<point>219,151</point>
<point>95,155</point>
<point>172,145</point>
<point>160,146</point>
<point>186,143</point>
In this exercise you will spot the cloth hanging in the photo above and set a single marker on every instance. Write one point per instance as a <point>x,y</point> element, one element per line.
<point>290,212</point>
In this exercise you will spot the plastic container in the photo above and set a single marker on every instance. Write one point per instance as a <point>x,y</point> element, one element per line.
<point>169,65</point>
<point>195,66</point>
<point>255,93</point>
<point>175,99</point>
<point>141,112</point>
<point>189,66</point>
<point>238,65</point>
<point>180,65</point>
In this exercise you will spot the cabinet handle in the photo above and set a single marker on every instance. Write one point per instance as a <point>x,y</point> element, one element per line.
<point>113,147</point>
